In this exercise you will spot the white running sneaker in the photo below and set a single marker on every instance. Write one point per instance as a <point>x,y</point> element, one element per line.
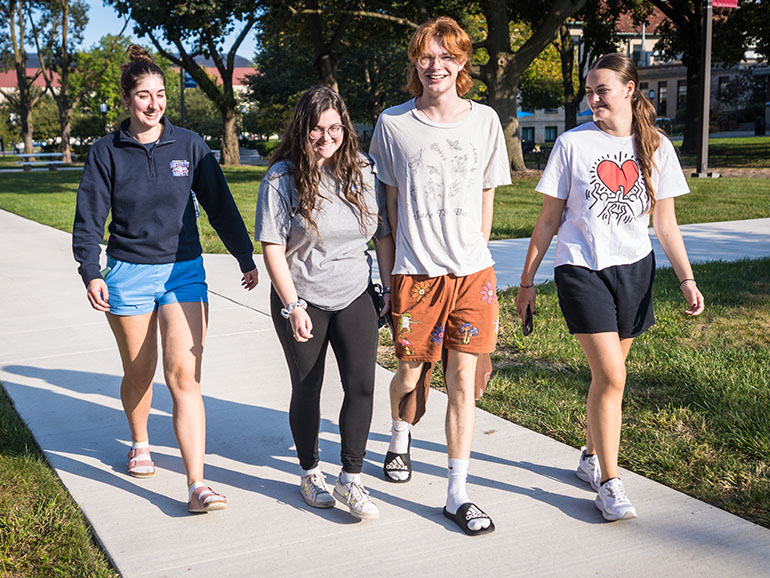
<point>357,499</point>
<point>588,470</point>
<point>313,488</point>
<point>612,501</point>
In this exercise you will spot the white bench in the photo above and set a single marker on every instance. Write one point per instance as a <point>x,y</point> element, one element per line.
<point>54,160</point>
<point>52,164</point>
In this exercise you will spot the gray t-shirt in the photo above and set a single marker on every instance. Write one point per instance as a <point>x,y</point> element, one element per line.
<point>440,170</point>
<point>331,267</point>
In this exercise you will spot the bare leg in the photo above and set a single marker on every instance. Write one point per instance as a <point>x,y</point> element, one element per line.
<point>461,410</point>
<point>183,332</point>
<point>404,381</point>
<point>606,358</point>
<point>137,340</point>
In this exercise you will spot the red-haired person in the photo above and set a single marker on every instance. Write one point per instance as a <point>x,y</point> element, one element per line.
<point>441,157</point>
<point>602,181</point>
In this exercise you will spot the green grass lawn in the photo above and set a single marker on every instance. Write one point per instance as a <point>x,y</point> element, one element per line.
<point>742,152</point>
<point>42,531</point>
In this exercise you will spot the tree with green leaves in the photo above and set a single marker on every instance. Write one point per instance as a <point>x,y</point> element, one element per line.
<point>503,71</point>
<point>57,27</point>
<point>684,22</point>
<point>13,55</point>
<point>598,20</point>
<point>199,27</point>
<point>96,79</point>
<point>758,12</point>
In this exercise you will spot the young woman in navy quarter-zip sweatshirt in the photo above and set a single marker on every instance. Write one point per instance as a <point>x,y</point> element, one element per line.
<point>152,177</point>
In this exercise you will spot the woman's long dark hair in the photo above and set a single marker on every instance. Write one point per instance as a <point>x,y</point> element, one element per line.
<point>344,166</point>
<point>646,135</point>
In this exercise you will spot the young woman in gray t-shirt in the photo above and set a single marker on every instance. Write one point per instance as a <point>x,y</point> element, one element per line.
<point>318,207</point>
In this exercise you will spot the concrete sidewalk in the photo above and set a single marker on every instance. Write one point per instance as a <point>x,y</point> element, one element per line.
<point>59,363</point>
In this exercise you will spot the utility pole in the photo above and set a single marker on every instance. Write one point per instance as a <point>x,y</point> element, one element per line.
<point>705,94</point>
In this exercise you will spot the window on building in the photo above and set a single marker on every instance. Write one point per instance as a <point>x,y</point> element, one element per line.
<point>681,95</point>
<point>723,82</point>
<point>662,98</point>
<point>528,133</point>
<point>550,133</point>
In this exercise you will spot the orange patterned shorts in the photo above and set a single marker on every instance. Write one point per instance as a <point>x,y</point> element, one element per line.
<point>450,312</point>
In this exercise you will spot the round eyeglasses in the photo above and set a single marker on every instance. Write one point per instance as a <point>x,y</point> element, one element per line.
<point>334,131</point>
<point>424,61</point>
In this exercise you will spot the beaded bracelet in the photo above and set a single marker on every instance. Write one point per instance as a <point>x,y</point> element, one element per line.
<point>527,286</point>
<point>685,281</point>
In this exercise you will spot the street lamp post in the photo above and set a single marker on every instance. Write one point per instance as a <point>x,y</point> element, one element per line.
<point>103,109</point>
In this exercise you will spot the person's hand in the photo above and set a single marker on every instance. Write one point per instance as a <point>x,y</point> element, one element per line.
<point>301,325</point>
<point>98,294</point>
<point>250,279</point>
<point>694,299</point>
<point>385,305</point>
<point>525,297</point>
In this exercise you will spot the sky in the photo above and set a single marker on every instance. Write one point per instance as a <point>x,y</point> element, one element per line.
<point>104,20</point>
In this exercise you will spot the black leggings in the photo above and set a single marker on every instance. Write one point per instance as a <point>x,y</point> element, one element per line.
<point>352,333</point>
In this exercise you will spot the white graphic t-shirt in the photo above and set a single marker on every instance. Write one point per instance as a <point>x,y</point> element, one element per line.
<point>440,170</point>
<point>606,218</point>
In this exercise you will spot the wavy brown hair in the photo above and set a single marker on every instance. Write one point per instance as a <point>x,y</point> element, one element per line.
<point>646,135</point>
<point>456,42</point>
<point>139,64</point>
<point>344,166</point>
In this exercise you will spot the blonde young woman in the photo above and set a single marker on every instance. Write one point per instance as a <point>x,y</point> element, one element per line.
<point>602,182</point>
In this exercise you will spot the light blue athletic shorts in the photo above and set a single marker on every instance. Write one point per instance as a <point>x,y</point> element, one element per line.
<point>136,289</point>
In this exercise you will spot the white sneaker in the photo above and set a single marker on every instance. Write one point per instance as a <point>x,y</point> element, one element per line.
<point>612,501</point>
<point>588,470</point>
<point>313,488</point>
<point>357,499</point>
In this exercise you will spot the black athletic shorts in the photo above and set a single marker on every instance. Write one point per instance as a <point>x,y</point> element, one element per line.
<point>617,299</point>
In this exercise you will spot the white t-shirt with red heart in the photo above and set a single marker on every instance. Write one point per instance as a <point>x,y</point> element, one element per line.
<point>606,220</point>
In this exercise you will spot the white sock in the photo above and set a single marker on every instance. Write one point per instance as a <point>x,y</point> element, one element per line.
<point>141,469</point>
<point>346,478</point>
<point>399,437</point>
<point>192,488</point>
<point>456,493</point>
<point>315,470</point>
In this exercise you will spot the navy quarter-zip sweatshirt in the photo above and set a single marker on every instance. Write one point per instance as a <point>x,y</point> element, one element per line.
<point>150,193</point>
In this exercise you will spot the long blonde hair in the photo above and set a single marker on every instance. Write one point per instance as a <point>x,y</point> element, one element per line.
<point>646,135</point>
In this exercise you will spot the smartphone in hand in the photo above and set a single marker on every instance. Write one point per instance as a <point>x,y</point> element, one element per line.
<point>527,327</point>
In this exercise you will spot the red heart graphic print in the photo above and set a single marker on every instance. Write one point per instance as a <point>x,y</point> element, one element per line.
<point>615,177</point>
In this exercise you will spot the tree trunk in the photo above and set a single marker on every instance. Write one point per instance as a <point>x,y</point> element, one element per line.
<point>228,152</point>
<point>502,85</point>
<point>326,63</point>
<point>66,130</point>
<point>567,56</point>
<point>25,104</point>
<point>503,96</point>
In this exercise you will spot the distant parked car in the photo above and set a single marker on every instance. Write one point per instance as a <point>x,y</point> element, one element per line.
<point>527,146</point>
